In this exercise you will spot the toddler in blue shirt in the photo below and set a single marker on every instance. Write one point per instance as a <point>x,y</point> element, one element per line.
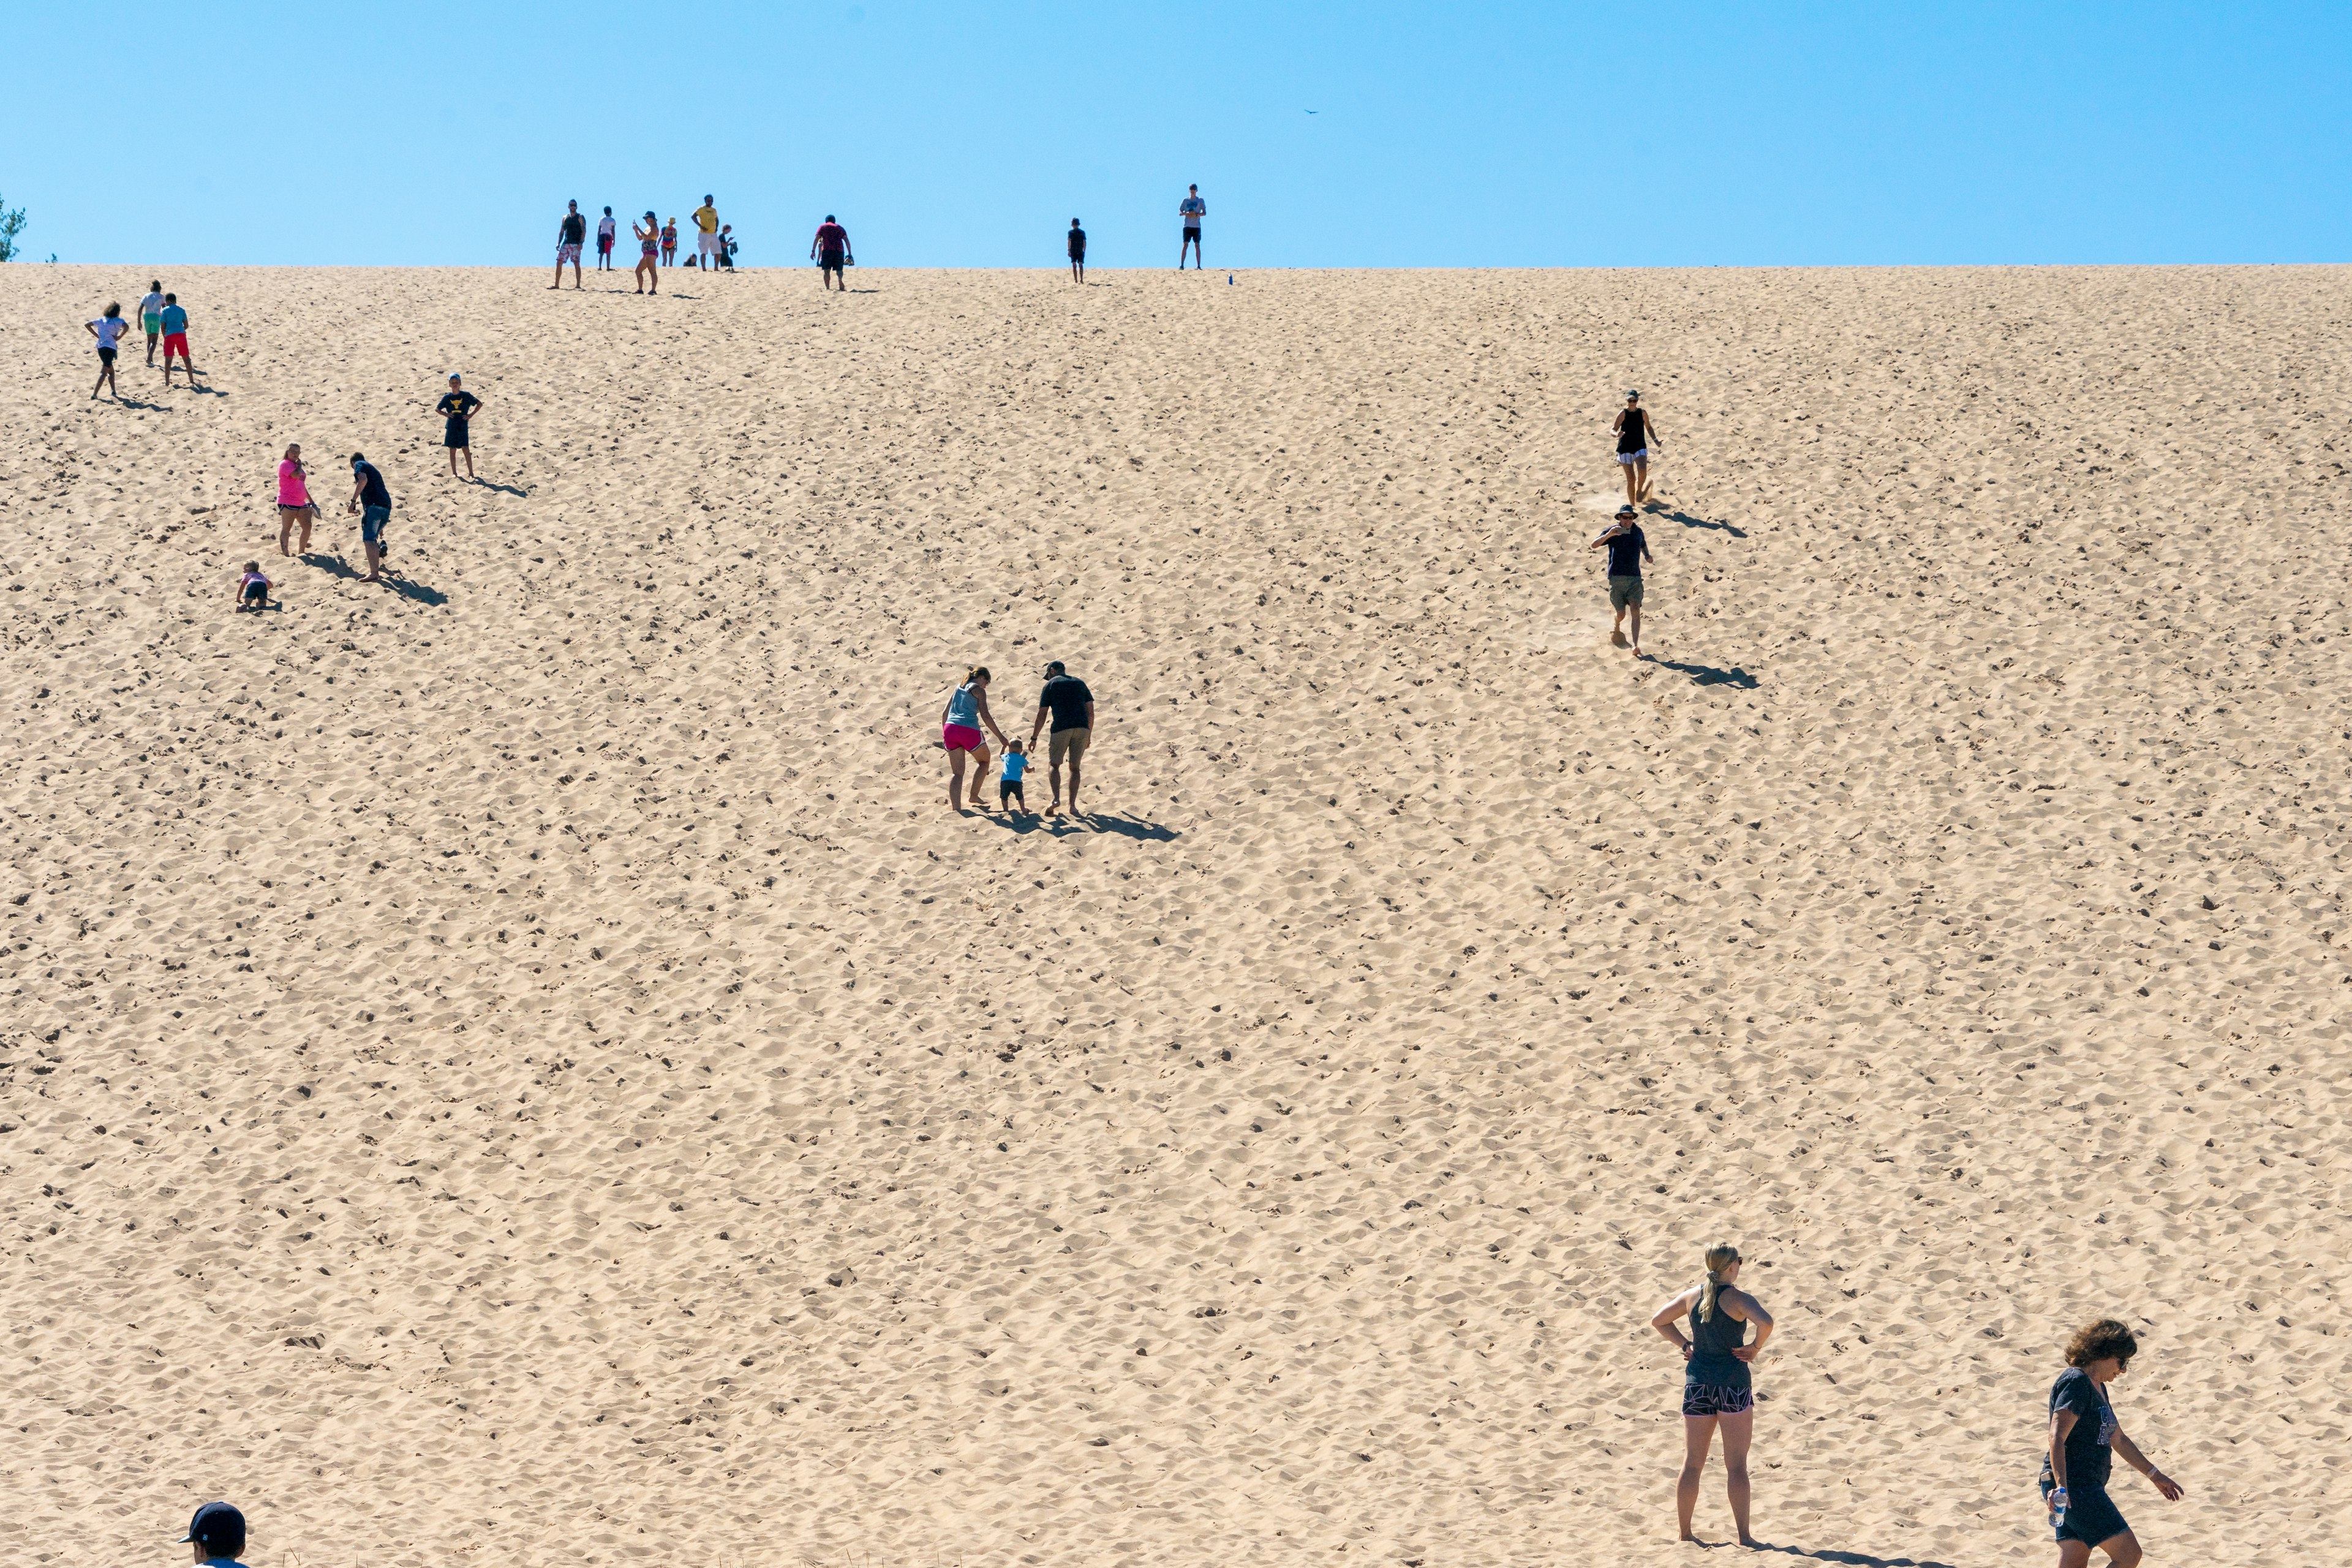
<point>1016,763</point>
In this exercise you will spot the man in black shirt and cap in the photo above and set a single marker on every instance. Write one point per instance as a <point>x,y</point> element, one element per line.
<point>1627,550</point>
<point>371,499</point>
<point>1072,708</point>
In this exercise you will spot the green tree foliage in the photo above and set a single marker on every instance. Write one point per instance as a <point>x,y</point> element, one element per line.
<point>12,224</point>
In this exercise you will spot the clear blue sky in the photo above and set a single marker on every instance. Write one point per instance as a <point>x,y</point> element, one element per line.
<point>1634,132</point>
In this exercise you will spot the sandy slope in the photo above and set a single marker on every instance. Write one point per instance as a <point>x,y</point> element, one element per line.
<point>521,1068</point>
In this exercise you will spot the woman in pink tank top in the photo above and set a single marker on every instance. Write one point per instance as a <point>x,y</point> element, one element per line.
<point>294,502</point>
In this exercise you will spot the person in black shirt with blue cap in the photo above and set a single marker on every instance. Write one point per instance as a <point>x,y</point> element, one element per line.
<point>218,1532</point>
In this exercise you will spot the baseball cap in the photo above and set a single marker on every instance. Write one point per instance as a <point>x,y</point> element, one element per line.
<point>1056,667</point>
<point>1630,393</point>
<point>219,1527</point>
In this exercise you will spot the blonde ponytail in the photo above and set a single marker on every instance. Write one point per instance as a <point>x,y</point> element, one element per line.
<point>1719,1258</point>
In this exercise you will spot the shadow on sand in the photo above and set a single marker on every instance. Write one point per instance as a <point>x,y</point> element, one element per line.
<point>1850,1559</point>
<point>414,592</point>
<point>502,490</point>
<point>1687,520</point>
<point>1707,675</point>
<point>1083,822</point>
<point>143,407</point>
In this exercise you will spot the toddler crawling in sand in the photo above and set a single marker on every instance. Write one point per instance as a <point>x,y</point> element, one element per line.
<point>252,589</point>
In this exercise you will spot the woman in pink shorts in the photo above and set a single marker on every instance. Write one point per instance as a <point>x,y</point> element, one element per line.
<point>294,502</point>
<point>959,724</point>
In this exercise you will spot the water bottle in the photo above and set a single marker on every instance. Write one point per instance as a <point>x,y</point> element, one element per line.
<point>2058,1508</point>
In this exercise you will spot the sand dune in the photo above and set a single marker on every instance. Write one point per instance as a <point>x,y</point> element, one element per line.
<point>521,1066</point>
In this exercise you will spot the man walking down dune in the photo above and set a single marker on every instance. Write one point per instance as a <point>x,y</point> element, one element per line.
<point>1071,706</point>
<point>1628,548</point>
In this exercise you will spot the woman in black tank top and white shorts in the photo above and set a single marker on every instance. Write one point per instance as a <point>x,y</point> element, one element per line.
<point>1716,1392</point>
<point>1637,437</point>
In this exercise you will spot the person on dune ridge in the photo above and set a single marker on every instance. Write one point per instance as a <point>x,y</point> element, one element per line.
<point>648,270</point>
<point>832,252</point>
<point>570,234</point>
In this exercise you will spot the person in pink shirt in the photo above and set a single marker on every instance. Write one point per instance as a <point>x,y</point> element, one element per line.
<point>294,502</point>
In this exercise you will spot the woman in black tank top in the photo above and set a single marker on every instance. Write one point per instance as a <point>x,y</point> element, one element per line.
<point>1716,1390</point>
<point>1637,437</point>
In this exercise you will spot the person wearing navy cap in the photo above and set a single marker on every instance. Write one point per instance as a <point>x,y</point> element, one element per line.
<point>218,1532</point>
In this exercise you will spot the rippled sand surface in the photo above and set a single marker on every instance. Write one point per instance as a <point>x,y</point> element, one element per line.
<point>519,1066</point>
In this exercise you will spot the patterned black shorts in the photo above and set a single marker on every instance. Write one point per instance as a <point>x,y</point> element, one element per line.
<point>1717,1399</point>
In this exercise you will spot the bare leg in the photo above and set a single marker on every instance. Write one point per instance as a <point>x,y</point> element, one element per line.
<point>375,560</point>
<point>1637,653</point>
<point>1073,786</point>
<point>1641,479</point>
<point>150,347</point>
<point>955,782</point>
<point>980,776</point>
<point>2123,1551</point>
<point>308,512</point>
<point>1633,496</point>
<point>1737,1430</point>
<point>1698,1431</point>
<point>285,530</point>
<point>1054,773</point>
<point>2073,1555</point>
<point>470,461</point>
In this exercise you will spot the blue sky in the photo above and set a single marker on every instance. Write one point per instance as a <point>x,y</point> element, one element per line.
<point>1627,134</point>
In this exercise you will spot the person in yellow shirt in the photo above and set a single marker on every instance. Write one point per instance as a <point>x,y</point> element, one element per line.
<point>706,219</point>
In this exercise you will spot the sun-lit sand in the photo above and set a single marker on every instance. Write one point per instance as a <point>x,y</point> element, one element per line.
<point>519,1066</point>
